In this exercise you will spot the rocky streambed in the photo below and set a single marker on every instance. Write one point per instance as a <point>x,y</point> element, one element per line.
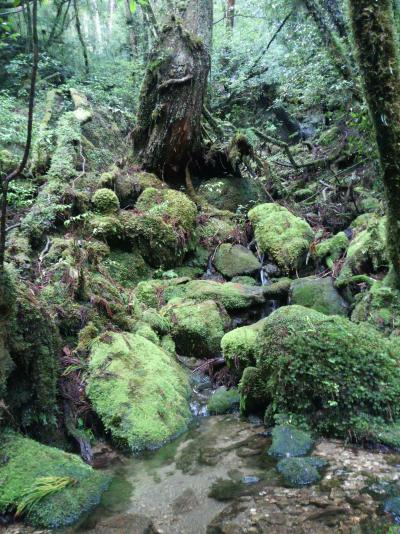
<point>218,478</point>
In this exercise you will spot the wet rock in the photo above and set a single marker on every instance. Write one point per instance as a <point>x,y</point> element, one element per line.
<point>392,506</point>
<point>235,260</point>
<point>288,441</point>
<point>230,193</point>
<point>185,502</point>
<point>301,471</point>
<point>124,524</point>
<point>318,294</point>
<point>223,401</point>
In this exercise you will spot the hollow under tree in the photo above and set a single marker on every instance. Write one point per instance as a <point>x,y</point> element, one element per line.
<point>168,132</point>
<point>376,41</point>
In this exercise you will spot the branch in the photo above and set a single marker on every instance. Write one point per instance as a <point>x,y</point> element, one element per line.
<point>279,143</point>
<point>175,81</point>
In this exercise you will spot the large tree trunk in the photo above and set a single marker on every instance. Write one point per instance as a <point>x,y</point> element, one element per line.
<point>376,42</point>
<point>168,132</point>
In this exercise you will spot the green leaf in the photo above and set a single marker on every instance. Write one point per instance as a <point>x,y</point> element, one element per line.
<point>132,6</point>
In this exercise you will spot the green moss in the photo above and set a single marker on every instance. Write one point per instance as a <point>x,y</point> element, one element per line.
<point>288,441</point>
<point>129,187</point>
<point>108,227</point>
<point>326,368</point>
<point>367,250</point>
<point>252,390</point>
<point>86,336</point>
<point>158,322</point>
<point>27,462</point>
<point>278,290</point>
<point>162,226</point>
<point>105,201</point>
<point>138,391</point>
<point>332,249</point>
<point>214,231</point>
<point>231,296</point>
<point>223,401</point>
<point>318,294</point>
<point>145,330</point>
<point>197,328</point>
<point>154,293</point>
<point>233,260</point>
<point>244,280</point>
<point>380,307</point>
<point>301,471</point>
<point>280,234</point>
<point>239,346</point>
<point>127,268</point>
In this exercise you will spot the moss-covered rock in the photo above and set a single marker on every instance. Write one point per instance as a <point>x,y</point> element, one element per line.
<point>25,464</point>
<point>244,280</point>
<point>105,201</point>
<point>197,327</point>
<point>367,250</point>
<point>127,268</point>
<point>234,260</point>
<point>278,290</point>
<point>318,294</point>
<point>162,226</point>
<point>330,250</point>
<point>301,471</point>
<point>325,368</point>
<point>211,231</point>
<point>239,347</point>
<point>155,293</point>
<point>223,401</point>
<point>129,185</point>
<point>231,193</point>
<point>231,296</point>
<point>139,392</point>
<point>281,235</point>
<point>380,307</point>
<point>108,227</point>
<point>288,441</point>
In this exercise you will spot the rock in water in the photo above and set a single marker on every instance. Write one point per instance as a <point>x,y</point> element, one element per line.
<point>29,465</point>
<point>301,471</point>
<point>235,260</point>
<point>288,441</point>
<point>139,392</point>
<point>280,234</point>
<point>318,294</point>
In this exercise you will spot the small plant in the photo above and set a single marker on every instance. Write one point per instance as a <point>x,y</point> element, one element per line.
<point>105,201</point>
<point>42,487</point>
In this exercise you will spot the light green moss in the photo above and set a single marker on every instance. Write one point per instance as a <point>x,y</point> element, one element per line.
<point>128,187</point>
<point>244,280</point>
<point>332,249</point>
<point>231,296</point>
<point>105,201</point>
<point>138,390</point>
<point>155,293</point>
<point>108,227</point>
<point>197,328</point>
<point>239,346</point>
<point>380,307</point>
<point>233,260</point>
<point>27,462</point>
<point>213,231</point>
<point>127,268</point>
<point>280,234</point>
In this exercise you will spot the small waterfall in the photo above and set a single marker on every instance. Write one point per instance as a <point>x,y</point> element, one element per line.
<point>264,278</point>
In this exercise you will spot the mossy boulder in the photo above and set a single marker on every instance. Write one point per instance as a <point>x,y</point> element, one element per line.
<point>231,296</point>
<point>231,193</point>
<point>278,290</point>
<point>281,235</point>
<point>105,201</point>
<point>244,280</point>
<point>211,231</point>
<point>139,392</point>
<point>155,293</point>
<point>330,250</point>
<point>234,260</point>
<point>301,471</point>
<point>223,401</point>
<point>239,347</point>
<point>366,253</point>
<point>129,185</point>
<point>161,226</point>
<point>197,327</point>
<point>380,307</point>
<point>318,294</point>
<point>26,463</point>
<point>108,227</point>
<point>325,368</point>
<point>288,441</point>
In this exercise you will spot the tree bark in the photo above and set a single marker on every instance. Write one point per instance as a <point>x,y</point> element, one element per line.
<point>130,28</point>
<point>336,16</point>
<point>80,37</point>
<point>376,42</point>
<point>168,132</point>
<point>230,14</point>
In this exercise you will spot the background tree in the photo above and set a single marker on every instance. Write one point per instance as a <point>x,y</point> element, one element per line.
<point>376,41</point>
